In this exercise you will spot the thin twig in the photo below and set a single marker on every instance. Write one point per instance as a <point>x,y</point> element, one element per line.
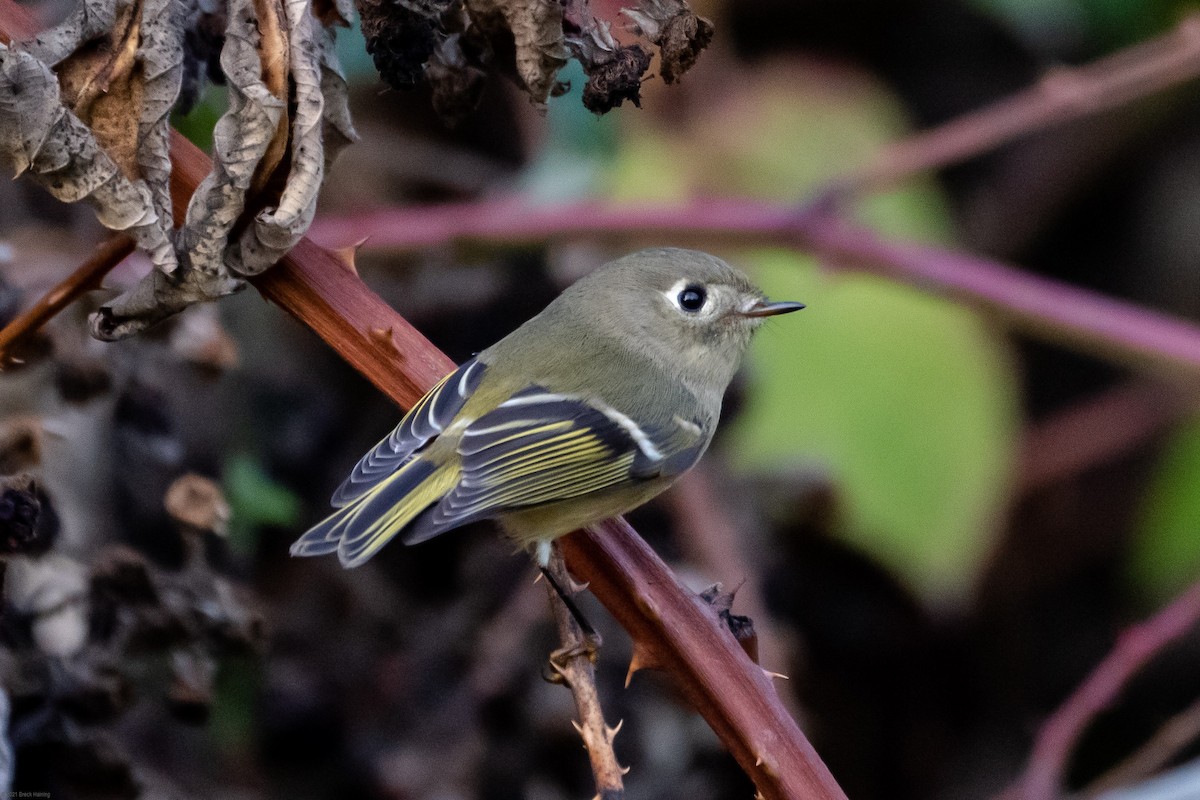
<point>1135,648</point>
<point>1037,306</point>
<point>1096,431</point>
<point>1063,94</point>
<point>88,276</point>
<point>1169,741</point>
<point>574,664</point>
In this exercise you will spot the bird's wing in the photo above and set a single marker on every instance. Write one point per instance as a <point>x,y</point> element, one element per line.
<point>539,447</point>
<point>424,421</point>
<point>357,531</point>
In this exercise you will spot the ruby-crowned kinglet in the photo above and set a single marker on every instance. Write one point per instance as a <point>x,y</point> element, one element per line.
<point>586,411</point>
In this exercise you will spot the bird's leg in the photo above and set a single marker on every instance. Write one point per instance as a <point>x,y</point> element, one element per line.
<point>569,602</point>
<point>588,641</point>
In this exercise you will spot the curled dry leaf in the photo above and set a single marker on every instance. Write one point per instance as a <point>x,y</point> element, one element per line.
<point>401,36</point>
<point>99,131</point>
<point>276,230</point>
<point>41,138</point>
<point>457,84</point>
<point>614,72</point>
<point>536,30</point>
<point>678,32</point>
<point>452,44</point>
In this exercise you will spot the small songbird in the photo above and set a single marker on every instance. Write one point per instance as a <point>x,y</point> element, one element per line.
<point>586,411</point>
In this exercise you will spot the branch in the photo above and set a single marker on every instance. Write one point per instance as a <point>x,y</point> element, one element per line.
<point>1061,95</point>
<point>88,276</point>
<point>1095,431</point>
<point>1037,306</point>
<point>1134,649</point>
<point>574,664</point>
<point>708,665</point>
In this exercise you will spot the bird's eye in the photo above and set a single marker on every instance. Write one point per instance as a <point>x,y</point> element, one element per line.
<point>692,298</point>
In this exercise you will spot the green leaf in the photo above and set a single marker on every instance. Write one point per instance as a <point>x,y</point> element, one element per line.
<point>906,401</point>
<point>1166,549</point>
<point>256,500</point>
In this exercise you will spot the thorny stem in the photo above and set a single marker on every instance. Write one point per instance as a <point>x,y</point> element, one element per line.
<point>1062,94</point>
<point>1134,649</point>
<point>708,665</point>
<point>574,664</point>
<point>713,542</point>
<point>1041,307</point>
<point>106,255</point>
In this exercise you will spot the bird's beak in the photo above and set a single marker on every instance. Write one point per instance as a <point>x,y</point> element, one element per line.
<point>762,307</point>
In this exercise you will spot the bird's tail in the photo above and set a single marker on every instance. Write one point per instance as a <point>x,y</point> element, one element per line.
<point>358,530</point>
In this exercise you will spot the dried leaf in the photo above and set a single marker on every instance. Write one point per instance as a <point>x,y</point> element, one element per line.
<point>276,231</point>
<point>90,20</point>
<point>198,503</point>
<point>101,83</point>
<point>456,83</point>
<point>156,297</point>
<point>274,52</point>
<point>162,55</point>
<point>338,129</point>
<point>39,136</point>
<point>240,141</point>
<point>678,32</point>
<point>401,35</point>
<point>614,72</point>
<point>536,27</point>
<point>741,627</point>
<point>20,509</point>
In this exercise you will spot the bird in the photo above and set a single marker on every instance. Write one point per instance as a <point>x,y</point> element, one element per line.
<point>584,412</point>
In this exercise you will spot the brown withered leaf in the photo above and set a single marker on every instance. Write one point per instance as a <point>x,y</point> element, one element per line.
<point>102,84</point>
<point>536,28</point>
<point>276,230</point>
<point>114,78</point>
<point>162,58</point>
<point>456,83</point>
<point>273,53</point>
<point>614,72</point>
<point>740,626</point>
<point>91,19</point>
<point>268,164</point>
<point>241,138</point>
<point>401,36</point>
<point>337,127</point>
<point>40,137</point>
<point>678,32</point>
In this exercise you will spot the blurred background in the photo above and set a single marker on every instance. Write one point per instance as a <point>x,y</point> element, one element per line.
<point>939,526</point>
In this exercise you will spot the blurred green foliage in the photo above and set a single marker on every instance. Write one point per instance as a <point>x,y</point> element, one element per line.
<point>256,500</point>
<point>906,400</point>
<point>1166,553</point>
<point>1102,24</point>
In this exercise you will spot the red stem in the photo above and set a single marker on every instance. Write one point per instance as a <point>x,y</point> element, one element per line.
<point>1134,649</point>
<point>1038,306</point>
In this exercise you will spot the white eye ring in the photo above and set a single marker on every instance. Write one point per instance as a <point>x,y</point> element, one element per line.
<point>678,294</point>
